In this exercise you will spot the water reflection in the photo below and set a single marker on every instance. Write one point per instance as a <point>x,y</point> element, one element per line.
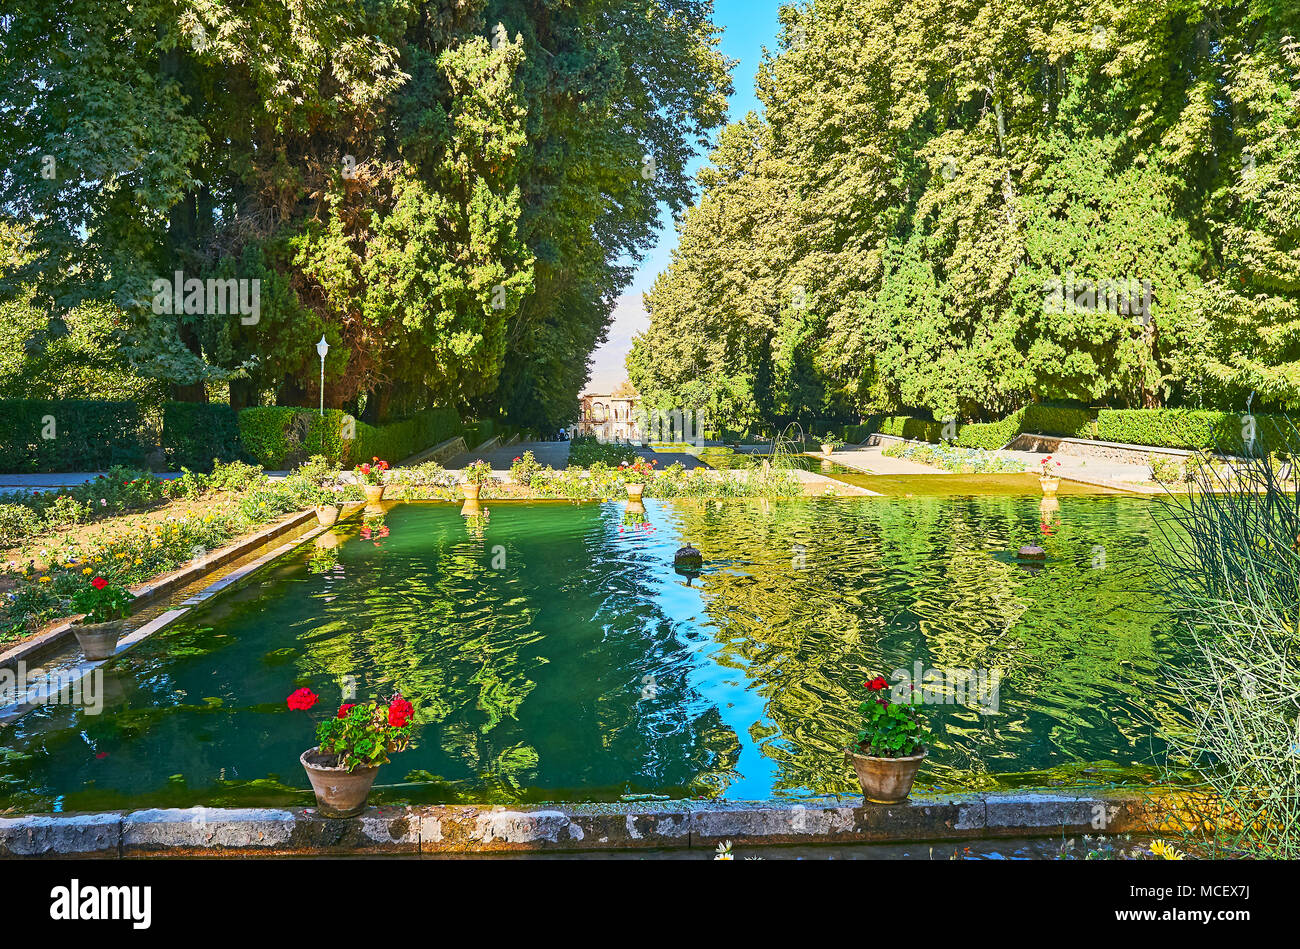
<point>552,653</point>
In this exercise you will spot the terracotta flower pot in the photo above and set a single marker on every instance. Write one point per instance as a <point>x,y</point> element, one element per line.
<point>827,448</point>
<point>635,491</point>
<point>99,640</point>
<point>1049,483</point>
<point>327,515</point>
<point>374,492</point>
<point>339,792</point>
<point>885,780</point>
<point>471,491</point>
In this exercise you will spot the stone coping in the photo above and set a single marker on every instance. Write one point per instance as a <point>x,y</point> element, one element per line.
<point>474,829</point>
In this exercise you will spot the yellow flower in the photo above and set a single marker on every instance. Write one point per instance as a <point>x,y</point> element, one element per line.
<point>45,579</point>
<point>1166,852</point>
<point>87,572</point>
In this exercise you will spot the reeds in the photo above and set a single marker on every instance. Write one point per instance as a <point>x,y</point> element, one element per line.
<point>1231,564</point>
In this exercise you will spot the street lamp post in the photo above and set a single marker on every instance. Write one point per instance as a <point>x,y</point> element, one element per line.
<point>322,347</point>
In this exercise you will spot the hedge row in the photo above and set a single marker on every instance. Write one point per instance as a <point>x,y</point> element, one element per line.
<point>1190,429</point>
<point>194,435</point>
<point>280,438</point>
<point>1197,428</point>
<point>70,435</point>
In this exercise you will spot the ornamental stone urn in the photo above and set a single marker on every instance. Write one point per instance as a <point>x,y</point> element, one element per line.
<point>885,780</point>
<point>339,792</point>
<point>99,640</point>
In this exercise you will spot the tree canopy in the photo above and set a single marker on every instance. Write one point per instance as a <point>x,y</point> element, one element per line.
<point>443,189</point>
<point>962,209</point>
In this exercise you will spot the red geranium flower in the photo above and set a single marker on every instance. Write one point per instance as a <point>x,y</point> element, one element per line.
<point>99,583</point>
<point>344,709</point>
<point>400,712</point>
<point>365,469</point>
<point>302,700</point>
<point>876,684</point>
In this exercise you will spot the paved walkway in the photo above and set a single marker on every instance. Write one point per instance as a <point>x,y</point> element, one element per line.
<point>1085,469</point>
<point>553,454</point>
<point>1090,470</point>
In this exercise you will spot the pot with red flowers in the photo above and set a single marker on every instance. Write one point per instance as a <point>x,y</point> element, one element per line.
<point>890,746</point>
<point>371,476</point>
<point>476,475</point>
<point>1048,476</point>
<point>105,606</point>
<point>636,476</point>
<point>351,748</point>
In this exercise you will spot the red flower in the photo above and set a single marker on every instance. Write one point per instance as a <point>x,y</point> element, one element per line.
<point>344,709</point>
<point>302,700</point>
<point>876,684</point>
<point>365,469</point>
<point>400,712</point>
<point>99,583</point>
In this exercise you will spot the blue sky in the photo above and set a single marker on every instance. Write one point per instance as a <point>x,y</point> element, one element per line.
<point>749,25</point>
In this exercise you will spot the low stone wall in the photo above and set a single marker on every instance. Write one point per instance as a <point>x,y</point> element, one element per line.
<point>469,829</point>
<point>1088,448</point>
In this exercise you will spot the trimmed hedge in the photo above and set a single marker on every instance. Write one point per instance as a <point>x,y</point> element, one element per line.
<point>1065,421</point>
<point>400,440</point>
<point>86,435</point>
<point>1190,429</point>
<point>991,435</point>
<point>1195,429</point>
<point>279,437</point>
<point>195,435</point>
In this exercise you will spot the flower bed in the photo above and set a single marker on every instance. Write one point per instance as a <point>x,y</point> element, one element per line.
<point>955,459</point>
<point>132,552</point>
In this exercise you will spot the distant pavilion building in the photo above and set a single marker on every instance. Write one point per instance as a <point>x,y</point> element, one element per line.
<point>611,418</point>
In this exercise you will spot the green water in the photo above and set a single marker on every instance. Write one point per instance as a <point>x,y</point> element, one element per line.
<point>551,656</point>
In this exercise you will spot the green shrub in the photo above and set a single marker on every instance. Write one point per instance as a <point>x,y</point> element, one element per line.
<point>1164,469</point>
<point>235,476</point>
<point>907,426</point>
<point>400,440</point>
<point>1194,429</point>
<point>17,523</point>
<point>586,450</point>
<point>194,435</point>
<point>266,437</point>
<point>82,435</point>
<point>1066,421</point>
<point>991,435</point>
<point>66,511</point>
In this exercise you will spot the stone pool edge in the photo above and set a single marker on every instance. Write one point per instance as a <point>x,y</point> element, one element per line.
<point>470,829</point>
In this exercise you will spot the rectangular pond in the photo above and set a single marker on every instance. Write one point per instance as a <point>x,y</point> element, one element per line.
<point>553,654</point>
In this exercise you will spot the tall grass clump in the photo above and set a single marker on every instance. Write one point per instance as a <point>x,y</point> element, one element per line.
<point>1231,565</point>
